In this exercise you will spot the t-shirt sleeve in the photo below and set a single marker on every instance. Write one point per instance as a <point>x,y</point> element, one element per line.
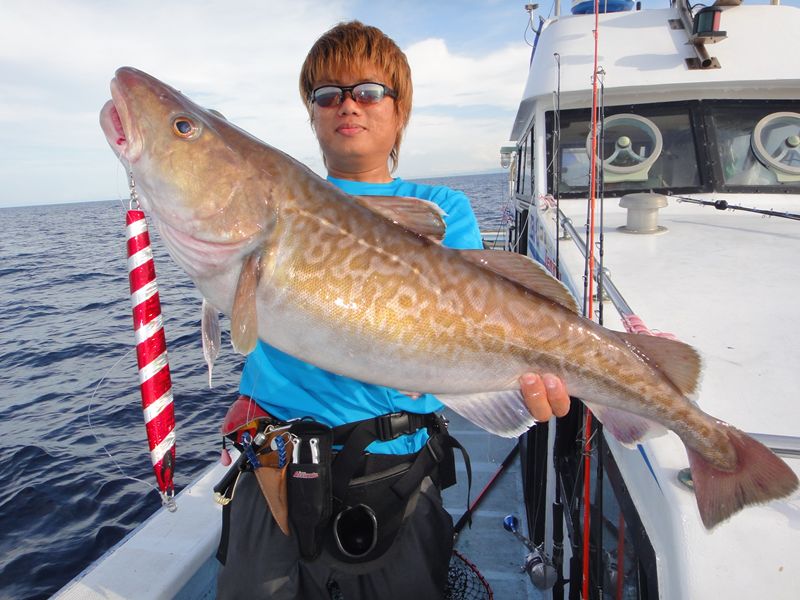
<point>462,225</point>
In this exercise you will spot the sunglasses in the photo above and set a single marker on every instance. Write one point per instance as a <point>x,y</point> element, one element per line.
<point>362,93</point>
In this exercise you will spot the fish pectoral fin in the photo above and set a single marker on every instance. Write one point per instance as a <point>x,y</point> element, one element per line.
<point>503,413</point>
<point>420,216</point>
<point>244,318</point>
<point>209,329</point>
<point>627,428</point>
<point>525,271</point>
<point>679,362</point>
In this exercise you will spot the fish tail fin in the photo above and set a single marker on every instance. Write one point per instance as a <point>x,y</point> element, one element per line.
<point>759,476</point>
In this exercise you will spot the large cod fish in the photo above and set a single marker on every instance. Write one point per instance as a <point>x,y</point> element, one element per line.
<point>359,286</point>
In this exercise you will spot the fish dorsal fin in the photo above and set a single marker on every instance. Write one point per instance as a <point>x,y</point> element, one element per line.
<point>420,216</point>
<point>525,271</point>
<point>244,319</point>
<point>209,327</point>
<point>679,362</point>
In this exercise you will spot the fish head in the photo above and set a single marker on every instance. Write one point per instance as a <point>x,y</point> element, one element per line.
<point>191,167</point>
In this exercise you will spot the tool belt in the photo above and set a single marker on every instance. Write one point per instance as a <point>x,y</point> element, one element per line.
<point>350,502</point>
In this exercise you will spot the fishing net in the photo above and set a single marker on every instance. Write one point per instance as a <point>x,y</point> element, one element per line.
<point>464,582</point>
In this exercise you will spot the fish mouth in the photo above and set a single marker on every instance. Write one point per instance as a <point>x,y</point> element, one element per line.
<point>118,125</point>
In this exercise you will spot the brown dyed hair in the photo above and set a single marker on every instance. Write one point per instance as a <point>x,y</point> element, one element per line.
<point>352,47</point>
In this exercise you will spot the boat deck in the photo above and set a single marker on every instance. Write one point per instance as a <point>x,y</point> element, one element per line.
<point>143,566</point>
<point>495,552</point>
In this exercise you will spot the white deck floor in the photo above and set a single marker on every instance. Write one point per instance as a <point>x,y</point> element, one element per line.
<point>170,557</point>
<point>497,553</point>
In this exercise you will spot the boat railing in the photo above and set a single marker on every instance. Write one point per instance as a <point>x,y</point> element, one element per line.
<point>782,445</point>
<point>609,289</point>
<point>494,239</point>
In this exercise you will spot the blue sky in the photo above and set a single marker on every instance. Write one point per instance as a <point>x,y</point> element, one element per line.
<point>468,58</point>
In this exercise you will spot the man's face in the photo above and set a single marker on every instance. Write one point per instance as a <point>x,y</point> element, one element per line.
<point>356,138</point>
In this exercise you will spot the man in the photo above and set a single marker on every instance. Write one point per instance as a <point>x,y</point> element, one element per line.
<point>356,84</point>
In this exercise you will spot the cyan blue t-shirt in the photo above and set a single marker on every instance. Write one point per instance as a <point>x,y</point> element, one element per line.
<point>288,388</point>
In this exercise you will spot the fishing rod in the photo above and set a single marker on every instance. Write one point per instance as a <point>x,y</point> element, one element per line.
<point>725,205</point>
<point>588,250</point>
<point>588,311</point>
<point>467,516</point>
<point>557,506</point>
<point>598,427</point>
<point>601,193</point>
<point>557,160</point>
<point>558,524</point>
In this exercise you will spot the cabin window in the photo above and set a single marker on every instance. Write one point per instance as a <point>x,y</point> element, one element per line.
<point>528,190</point>
<point>524,181</point>
<point>682,147</point>
<point>758,146</point>
<point>640,150</point>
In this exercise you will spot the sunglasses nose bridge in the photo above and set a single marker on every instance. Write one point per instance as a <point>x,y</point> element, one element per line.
<point>344,94</point>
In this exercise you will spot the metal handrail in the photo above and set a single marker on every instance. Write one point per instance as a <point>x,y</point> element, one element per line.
<point>783,445</point>
<point>619,302</point>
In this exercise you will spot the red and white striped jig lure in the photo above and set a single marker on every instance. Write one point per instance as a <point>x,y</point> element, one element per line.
<point>151,352</point>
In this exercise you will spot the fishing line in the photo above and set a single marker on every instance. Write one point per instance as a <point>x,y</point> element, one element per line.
<point>91,426</point>
<point>122,197</point>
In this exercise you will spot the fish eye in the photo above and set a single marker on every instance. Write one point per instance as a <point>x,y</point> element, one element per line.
<point>184,127</point>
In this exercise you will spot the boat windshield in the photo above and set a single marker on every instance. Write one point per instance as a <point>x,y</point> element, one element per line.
<point>757,147</point>
<point>682,147</point>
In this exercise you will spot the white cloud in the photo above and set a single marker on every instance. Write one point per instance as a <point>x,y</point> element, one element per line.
<point>443,78</point>
<point>243,58</point>
<point>57,58</point>
<point>447,145</point>
<point>463,108</point>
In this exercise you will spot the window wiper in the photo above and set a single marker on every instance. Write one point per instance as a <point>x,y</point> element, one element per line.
<point>725,205</point>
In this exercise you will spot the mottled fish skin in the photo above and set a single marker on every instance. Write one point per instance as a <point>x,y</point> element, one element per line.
<point>360,285</point>
<point>318,274</point>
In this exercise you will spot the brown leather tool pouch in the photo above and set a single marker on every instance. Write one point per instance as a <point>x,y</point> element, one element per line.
<point>271,477</point>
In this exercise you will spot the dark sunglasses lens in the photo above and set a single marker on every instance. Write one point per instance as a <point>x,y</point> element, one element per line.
<point>356,531</point>
<point>327,96</point>
<point>368,93</point>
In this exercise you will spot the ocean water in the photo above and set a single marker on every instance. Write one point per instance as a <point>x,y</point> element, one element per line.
<point>73,451</point>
